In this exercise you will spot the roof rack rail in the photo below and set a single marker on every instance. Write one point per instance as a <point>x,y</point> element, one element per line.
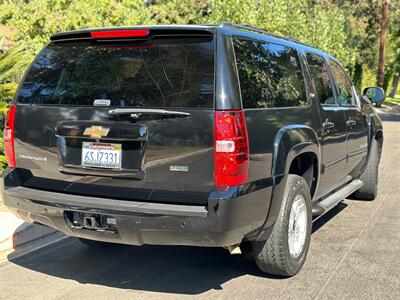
<point>262,31</point>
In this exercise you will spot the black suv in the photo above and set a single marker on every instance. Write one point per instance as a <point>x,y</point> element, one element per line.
<point>221,136</point>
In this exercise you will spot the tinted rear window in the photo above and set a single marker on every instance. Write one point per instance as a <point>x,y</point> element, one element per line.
<point>160,73</point>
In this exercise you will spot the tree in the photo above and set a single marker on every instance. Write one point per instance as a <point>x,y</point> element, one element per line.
<point>177,11</point>
<point>394,61</point>
<point>382,43</point>
<point>311,23</point>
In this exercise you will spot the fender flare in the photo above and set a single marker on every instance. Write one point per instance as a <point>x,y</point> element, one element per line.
<point>290,141</point>
<point>374,128</point>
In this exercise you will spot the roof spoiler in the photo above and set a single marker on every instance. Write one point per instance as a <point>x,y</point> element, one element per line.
<point>128,34</point>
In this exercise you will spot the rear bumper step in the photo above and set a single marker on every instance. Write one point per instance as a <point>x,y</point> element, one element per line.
<point>332,200</point>
<point>68,201</point>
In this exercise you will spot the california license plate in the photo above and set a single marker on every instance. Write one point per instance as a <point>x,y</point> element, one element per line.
<point>101,155</point>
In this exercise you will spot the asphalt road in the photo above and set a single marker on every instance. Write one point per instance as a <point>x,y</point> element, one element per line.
<point>354,253</point>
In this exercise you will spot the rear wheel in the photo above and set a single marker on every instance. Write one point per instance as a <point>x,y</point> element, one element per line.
<point>285,251</point>
<point>369,177</point>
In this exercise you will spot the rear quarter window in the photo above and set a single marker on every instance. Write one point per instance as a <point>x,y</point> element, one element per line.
<point>175,72</point>
<point>343,85</point>
<point>270,75</point>
<point>320,75</point>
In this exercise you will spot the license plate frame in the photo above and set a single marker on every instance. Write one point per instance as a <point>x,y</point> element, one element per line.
<point>101,155</point>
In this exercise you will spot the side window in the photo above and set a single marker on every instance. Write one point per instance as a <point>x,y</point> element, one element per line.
<point>320,76</point>
<point>343,85</point>
<point>270,75</point>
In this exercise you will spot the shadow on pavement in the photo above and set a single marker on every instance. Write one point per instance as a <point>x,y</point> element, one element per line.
<point>167,269</point>
<point>328,216</point>
<point>390,117</point>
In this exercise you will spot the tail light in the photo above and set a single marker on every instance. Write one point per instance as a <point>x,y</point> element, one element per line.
<point>231,148</point>
<point>8,136</point>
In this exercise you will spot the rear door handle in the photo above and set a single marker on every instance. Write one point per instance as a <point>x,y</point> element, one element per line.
<point>328,125</point>
<point>350,122</point>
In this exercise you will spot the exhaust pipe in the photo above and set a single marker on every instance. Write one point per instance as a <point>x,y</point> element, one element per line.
<point>234,249</point>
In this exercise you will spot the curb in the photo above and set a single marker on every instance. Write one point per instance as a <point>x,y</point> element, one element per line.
<point>18,238</point>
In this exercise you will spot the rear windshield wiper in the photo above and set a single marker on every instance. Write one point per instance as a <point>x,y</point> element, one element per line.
<point>136,113</point>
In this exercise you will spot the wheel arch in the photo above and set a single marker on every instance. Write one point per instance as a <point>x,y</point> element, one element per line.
<point>293,141</point>
<point>290,142</point>
<point>305,164</point>
<point>375,129</point>
<point>375,133</point>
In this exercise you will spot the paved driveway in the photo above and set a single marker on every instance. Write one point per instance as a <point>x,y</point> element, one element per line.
<point>354,253</point>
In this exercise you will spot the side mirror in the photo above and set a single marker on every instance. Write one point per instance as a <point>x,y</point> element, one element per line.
<point>375,94</point>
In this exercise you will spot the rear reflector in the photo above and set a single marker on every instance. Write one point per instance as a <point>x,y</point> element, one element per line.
<point>8,136</point>
<point>231,148</point>
<point>115,34</point>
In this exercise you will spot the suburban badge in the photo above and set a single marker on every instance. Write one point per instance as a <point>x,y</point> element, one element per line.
<point>178,168</point>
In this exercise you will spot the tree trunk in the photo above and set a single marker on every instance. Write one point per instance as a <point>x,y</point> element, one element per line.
<point>358,75</point>
<point>382,41</point>
<point>396,80</point>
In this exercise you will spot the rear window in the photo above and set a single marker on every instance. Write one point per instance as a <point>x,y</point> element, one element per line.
<point>175,72</point>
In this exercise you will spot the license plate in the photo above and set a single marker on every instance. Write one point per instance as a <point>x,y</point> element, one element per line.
<point>101,155</point>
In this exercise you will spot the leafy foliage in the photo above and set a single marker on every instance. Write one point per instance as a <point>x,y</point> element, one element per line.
<point>394,44</point>
<point>310,23</point>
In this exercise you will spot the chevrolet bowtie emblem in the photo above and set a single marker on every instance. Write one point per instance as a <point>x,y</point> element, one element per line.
<point>96,131</point>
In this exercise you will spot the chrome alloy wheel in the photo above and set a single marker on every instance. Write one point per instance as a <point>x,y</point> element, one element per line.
<point>297,226</point>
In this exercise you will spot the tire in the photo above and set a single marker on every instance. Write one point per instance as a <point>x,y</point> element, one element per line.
<point>96,244</point>
<point>279,255</point>
<point>369,177</point>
